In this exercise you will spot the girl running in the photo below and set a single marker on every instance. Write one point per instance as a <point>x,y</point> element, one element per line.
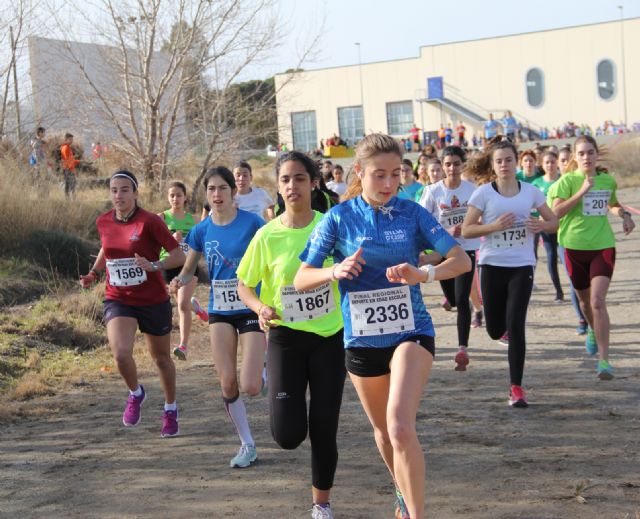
<point>305,329</point>
<point>223,238</point>
<point>180,223</point>
<point>248,198</point>
<point>447,201</point>
<point>136,294</point>
<point>528,170</point>
<point>582,199</point>
<point>409,185</point>
<point>376,239</point>
<point>506,259</point>
<point>550,240</point>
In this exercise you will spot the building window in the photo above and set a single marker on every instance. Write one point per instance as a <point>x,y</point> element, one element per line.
<point>351,124</point>
<point>303,125</point>
<point>535,87</point>
<point>399,117</point>
<point>606,79</point>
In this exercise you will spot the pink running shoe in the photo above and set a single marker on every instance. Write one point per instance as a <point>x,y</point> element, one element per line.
<point>461,360</point>
<point>170,424</point>
<point>131,416</point>
<point>200,312</point>
<point>517,397</point>
<point>446,305</point>
<point>504,340</point>
<point>180,352</point>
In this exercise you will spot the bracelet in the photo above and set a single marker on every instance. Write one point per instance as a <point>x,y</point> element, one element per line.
<point>94,272</point>
<point>157,265</point>
<point>333,272</point>
<point>431,272</point>
<point>184,280</point>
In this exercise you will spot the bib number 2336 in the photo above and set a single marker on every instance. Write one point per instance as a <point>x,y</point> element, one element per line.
<point>379,312</point>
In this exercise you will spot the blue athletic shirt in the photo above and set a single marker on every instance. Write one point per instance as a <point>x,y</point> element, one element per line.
<point>223,247</point>
<point>394,234</point>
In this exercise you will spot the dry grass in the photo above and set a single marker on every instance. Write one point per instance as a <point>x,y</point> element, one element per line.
<point>623,160</point>
<point>30,385</point>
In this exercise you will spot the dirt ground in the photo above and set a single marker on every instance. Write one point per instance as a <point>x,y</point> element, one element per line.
<point>573,454</point>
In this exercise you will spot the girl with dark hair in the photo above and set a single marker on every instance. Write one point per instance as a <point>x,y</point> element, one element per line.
<point>447,200</point>
<point>223,238</point>
<point>583,199</point>
<point>179,223</point>
<point>249,198</point>
<point>305,329</point>
<point>500,210</point>
<point>136,294</point>
<point>376,239</point>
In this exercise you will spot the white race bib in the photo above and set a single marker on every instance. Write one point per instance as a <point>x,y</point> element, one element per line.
<point>225,295</point>
<point>378,312</point>
<point>184,246</point>
<point>596,203</point>
<point>515,236</point>
<point>451,217</point>
<point>124,272</point>
<point>304,306</point>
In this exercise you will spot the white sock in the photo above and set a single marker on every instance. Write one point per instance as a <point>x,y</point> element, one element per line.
<point>170,407</point>
<point>238,414</point>
<point>137,392</point>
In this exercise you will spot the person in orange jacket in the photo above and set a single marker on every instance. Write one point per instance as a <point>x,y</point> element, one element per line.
<point>69,163</point>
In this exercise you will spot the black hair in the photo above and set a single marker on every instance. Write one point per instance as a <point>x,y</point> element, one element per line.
<point>243,164</point>
<point>407,162</point>
<point>40,129</point>
<point>455,151</point>
<point>297,156</point>
<point>223,173</point>
<point>123,173</point>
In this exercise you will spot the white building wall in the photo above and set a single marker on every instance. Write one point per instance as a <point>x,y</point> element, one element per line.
<point>490,72</point>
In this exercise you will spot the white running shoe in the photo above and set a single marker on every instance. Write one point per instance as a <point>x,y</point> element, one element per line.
<point>321,512</point>
<point>245,457</point>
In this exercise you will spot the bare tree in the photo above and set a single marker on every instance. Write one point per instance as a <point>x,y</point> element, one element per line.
<point>165,56</point>
<point>13,23</point>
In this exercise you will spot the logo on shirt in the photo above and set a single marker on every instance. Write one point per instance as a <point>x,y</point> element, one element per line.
<point>135,234</point>
<point>386,211</point>
<point>214,256</point>
<point>363,238</point>
<point>395,236</point>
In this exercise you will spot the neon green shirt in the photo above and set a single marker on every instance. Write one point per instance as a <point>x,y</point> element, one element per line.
<point>184,225</point>
<point>586,226</point>
<point>272,258</point>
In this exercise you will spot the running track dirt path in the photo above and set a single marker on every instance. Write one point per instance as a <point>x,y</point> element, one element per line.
<point>484,460</point>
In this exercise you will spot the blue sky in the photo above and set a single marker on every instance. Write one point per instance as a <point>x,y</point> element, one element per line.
<point>392,29</point>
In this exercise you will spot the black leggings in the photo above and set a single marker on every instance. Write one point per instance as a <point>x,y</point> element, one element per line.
<point>295,360</point>
<point>457,291</point>
<point>505,293</point>
<point>550,242</point>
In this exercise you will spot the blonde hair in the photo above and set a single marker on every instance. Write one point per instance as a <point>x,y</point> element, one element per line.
<point>372,145</point>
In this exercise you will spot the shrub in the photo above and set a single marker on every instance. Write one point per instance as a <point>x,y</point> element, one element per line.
<point>62,252</point>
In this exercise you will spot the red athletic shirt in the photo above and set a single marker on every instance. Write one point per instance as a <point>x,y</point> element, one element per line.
<point>145,233</point>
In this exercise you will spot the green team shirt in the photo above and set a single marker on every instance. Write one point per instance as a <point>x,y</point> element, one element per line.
<point>586,226</point>
<point>272,258</point>
<point>524,178</point>
<point>543,186</point>
<point>184,225</point>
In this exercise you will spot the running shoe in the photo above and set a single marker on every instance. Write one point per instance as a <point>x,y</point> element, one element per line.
<point>461,360</point>
<point>200,312</point>
<point>504,340</point>
<point>131,416</point>
<point>605,370</point>
<point>170,424</point>
<point>401,507</point>
<point>476,322</point>
<point>245,457</point>
<point>559,299</point>
<point>517,397</point>
<point>581,329</point>
<point>590,342</point>
<point>321,511</point>
<point>446,305</point>
<point>180,352</point>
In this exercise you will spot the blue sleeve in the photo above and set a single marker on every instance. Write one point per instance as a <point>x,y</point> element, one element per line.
<point>194,238</point>
<point>432,235</point>
<point>321,242</point>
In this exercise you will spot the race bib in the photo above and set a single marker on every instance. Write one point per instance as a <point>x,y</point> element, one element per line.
<point>596,203</point>
<point>379,312</point>
<point>451,217</point>
<point>184,246</point>
<point>515,236</point>
<point>304,306</point>
<point>124,272</point>
<point>225,295</point>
